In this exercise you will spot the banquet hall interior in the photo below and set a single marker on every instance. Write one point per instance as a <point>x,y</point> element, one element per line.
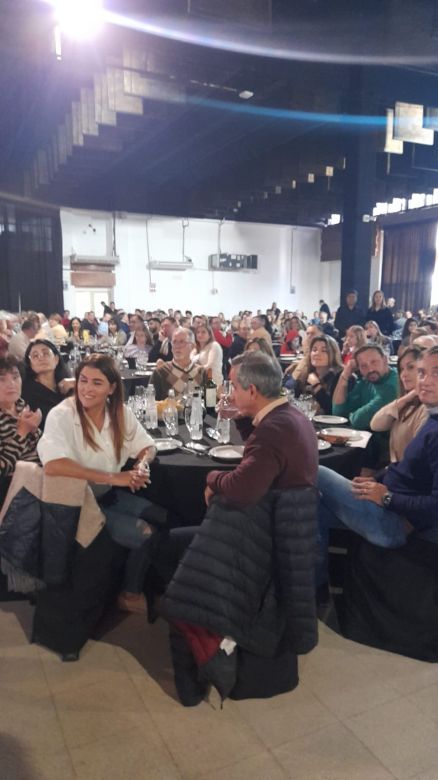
<point>214,156</point>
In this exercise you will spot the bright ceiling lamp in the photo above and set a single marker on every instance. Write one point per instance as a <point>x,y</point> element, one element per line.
<point>80,19</point>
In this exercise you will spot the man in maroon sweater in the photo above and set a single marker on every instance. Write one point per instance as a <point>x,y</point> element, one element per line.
<point>280,443</point>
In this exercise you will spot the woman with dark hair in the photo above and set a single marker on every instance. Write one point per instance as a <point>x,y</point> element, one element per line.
<point>116,335</point>
<point>411,324</point>
<point>208,353</point>
<point>322,369</point>
<point>46,380</point>
<point>75,331</point>
<point>406,415</point>
<point>19,426</point>
<point>379,312</point>
<point>91,436</point>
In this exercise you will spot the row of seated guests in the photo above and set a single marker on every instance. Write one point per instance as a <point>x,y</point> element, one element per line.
<point>89,436</point>
<point>403,500</point>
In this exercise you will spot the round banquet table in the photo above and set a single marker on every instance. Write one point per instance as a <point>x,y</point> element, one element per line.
<point>132,377</point>
<point>178,478</point>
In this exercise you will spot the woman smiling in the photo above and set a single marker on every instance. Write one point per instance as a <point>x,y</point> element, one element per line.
<point>91,437</point>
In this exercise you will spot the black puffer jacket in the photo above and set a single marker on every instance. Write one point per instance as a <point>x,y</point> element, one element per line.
<point>37,537</point>
<point>249,574</point>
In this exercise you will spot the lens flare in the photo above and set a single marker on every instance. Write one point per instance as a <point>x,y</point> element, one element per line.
<point>80,19</point>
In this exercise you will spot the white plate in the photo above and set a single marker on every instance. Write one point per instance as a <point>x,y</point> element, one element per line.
<point>330,419</point>
<point>142,373</point>
<point>227,452</point>
<point>341,433</point>
<point>323,445</point>
<point>167,445</point>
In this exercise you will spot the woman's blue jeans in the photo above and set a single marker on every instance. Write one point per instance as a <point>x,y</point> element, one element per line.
<point>338,508</point>
<point>125,524</point>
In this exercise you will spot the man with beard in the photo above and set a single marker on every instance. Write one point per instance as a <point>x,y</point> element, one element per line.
<point>376,386</point>
<point>404,499</point>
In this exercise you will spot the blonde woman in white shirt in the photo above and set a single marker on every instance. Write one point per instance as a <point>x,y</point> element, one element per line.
<point>208,353</point>
<point>91,436</point>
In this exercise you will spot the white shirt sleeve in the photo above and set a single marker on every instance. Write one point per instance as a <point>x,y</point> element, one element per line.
<point>136,438</point>
<point>56,441</point>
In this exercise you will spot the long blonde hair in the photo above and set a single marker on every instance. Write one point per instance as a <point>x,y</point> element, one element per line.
<point>106,365</point>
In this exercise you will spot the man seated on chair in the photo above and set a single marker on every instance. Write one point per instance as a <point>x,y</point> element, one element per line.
<point>404,499</point>
<point>360,398</point>
<point>280,444</point>
<point>175,374</point>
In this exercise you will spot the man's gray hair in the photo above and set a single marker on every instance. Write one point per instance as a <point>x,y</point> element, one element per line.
<point>187,332</point>
<point>260,370</point>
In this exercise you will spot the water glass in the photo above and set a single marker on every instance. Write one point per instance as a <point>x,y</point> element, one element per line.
<point>223,430</point>
<point>170,418</point>
<point>194,426</point>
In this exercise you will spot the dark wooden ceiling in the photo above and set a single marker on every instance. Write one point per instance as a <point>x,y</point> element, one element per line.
<point>154,124</point>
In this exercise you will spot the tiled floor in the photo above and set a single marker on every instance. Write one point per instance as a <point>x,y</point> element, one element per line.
<point>358,714</point>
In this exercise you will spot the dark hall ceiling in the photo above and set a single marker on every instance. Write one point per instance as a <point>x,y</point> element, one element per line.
<point>153,123</point>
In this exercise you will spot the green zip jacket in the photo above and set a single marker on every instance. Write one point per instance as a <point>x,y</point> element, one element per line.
<point>366,398</point>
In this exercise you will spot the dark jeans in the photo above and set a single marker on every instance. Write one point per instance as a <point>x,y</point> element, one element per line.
<point>127,517</point>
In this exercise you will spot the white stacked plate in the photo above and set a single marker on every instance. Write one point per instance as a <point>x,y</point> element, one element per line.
<point>227,452</point>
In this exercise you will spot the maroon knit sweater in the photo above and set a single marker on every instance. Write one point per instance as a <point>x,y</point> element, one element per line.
<point>280,453</point>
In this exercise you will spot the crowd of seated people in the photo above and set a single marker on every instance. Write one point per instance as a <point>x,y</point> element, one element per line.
<point>78,427</point>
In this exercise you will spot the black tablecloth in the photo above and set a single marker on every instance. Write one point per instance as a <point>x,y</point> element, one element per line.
<point>130,379</point>
<point>178,478</point>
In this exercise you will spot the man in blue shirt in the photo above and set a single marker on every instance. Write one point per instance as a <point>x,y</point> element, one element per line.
<point>404,500</point>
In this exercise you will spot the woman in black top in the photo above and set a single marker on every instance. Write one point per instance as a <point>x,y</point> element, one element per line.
<point>379,312</point>
<point>46,381</point>
<point>323,369</point>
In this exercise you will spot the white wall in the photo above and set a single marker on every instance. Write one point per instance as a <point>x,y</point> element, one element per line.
<point>286,256</point>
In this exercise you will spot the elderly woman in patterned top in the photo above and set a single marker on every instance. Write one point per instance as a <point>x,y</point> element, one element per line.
<point>19,426</point>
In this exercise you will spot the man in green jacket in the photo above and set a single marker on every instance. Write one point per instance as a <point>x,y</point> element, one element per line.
<point>376,387</point>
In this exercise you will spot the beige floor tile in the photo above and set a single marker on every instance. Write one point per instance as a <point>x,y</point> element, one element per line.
<point>31,721</point>
<point>21,669</point>
<point>426,701</point>
<point>282,718</point>
<point>16,622</point>
<point>431,774</point>
<point>330,754</point>
<point>403,739</point>
<point>404,674</point>
<point>88,714</point>
<point>17,764</point>
<point>138,754</point>
<point>204,736</point>
<point>260,767</point>
<point>344,684</point>
<point>98,662</point>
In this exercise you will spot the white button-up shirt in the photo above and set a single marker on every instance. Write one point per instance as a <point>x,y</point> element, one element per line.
<point>63,438</point>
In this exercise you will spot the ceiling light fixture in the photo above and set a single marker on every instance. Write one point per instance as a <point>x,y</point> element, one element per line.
<point>80,19</point>
<point>246,94</point>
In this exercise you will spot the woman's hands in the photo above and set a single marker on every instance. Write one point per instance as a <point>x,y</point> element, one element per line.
<point>134,480</point>
<point>65,385</point>
<point>28,422</point>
